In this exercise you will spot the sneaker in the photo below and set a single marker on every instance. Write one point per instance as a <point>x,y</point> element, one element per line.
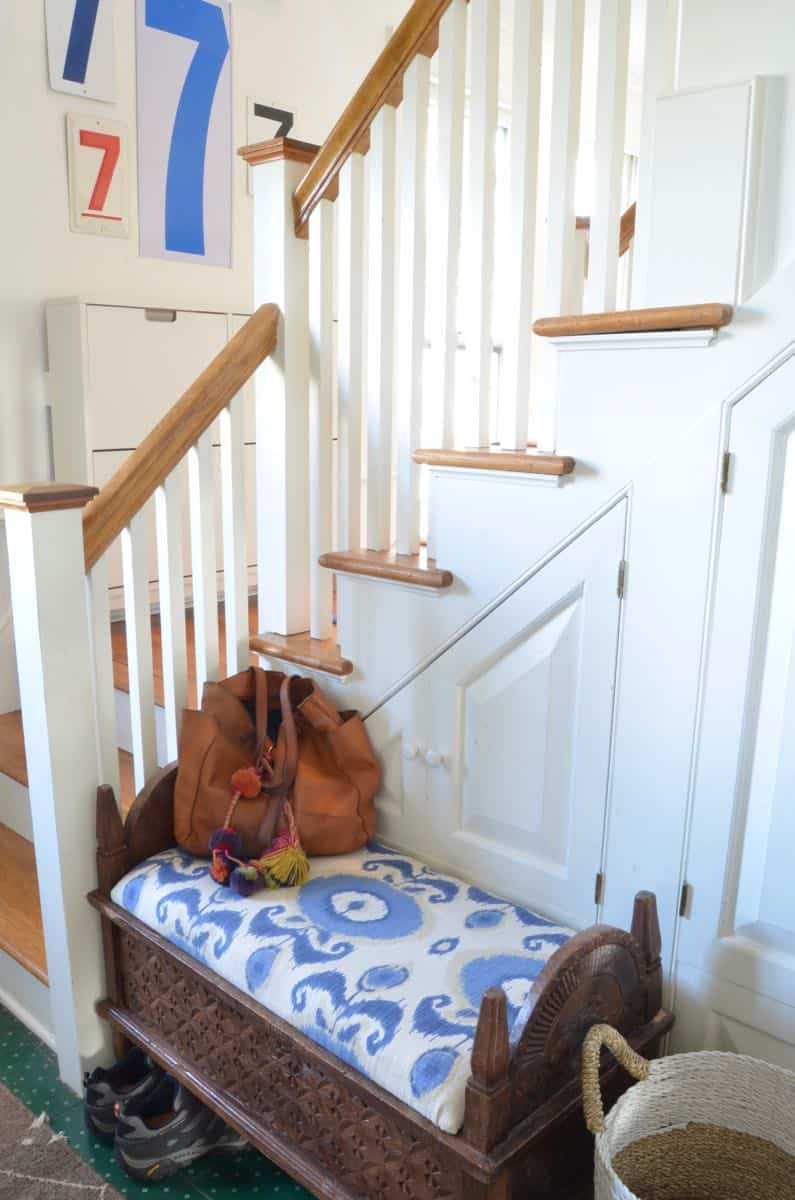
<point>161,1133</point>
<point>104,1090</point>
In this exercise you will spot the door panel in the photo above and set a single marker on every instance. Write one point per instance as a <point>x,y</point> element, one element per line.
<point>737,950</point>
<point>506,737</point>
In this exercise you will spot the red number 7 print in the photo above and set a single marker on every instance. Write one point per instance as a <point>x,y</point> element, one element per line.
<point>110,143</point>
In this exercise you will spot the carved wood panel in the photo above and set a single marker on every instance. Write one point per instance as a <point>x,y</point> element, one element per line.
<point>366,1151</point>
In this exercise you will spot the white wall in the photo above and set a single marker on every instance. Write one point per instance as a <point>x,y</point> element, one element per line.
<point>723,41</point>
<point>306,55</point>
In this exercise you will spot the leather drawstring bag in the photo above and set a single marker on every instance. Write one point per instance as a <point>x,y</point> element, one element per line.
<point>319,759</point>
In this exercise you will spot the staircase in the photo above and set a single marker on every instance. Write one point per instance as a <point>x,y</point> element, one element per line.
<point>361,397</point>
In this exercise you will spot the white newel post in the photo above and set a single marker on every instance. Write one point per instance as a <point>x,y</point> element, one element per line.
<point>281,277</point>
<point>51,628</point>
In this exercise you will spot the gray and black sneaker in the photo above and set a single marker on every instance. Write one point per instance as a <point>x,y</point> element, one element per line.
<point>133,1077</point>
<point>158,1135</point>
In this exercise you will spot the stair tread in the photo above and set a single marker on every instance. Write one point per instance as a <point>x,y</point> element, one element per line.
<point>417,569</point>
<point>21,934</point>
<point>526,462</point>
<point>21,929</point>
<point>12,757</point>
<point>637,320</point>
<point>121,677</point>
<point>319,654</point>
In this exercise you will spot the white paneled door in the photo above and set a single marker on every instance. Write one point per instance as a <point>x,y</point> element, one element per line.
<point>497,755</point>
<point>736,960</point>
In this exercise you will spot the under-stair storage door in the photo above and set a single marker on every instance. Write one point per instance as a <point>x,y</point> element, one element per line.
<point>506,737</point>
<point>736,959</point>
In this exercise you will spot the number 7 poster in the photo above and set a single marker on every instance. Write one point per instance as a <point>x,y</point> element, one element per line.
<point>184,82</point>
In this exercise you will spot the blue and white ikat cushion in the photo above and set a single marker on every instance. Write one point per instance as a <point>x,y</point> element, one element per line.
<point>378,958</point>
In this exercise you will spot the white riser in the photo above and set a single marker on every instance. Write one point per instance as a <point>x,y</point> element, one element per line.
<point>26,998</point>
<point>124,726</point>
<point>15,807</point>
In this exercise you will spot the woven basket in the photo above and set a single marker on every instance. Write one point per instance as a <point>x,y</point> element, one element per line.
<point>706,1126</point>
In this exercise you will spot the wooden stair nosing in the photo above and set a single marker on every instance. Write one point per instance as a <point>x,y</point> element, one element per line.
<point>316,654</point>
<point>523,462</point>
<point>415,569</point>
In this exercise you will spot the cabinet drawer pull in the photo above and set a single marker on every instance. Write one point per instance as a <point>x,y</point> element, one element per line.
<point>166,315</point>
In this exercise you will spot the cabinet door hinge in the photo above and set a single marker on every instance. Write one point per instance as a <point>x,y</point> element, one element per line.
<point>621,582</point>
<point>725,471</point>
<point>599,888</point>
<point>686,900</point>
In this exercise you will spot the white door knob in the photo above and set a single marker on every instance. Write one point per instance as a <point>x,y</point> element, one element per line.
<point>410,750</point>
<point>433,758</point>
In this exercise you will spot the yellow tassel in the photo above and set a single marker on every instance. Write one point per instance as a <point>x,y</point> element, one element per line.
<point>288,866</point>
<point>286,862</point>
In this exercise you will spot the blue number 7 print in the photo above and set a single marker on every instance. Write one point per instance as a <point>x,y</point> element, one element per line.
<point>81,36</point>
<point>203,23</point>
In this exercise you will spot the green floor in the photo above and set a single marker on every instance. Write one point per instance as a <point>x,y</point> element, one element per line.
<point>29,1070</point>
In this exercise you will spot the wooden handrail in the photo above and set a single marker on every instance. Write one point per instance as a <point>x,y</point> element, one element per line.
<point>160,452</point>
<point>626,229</point>
<point>416,34</point>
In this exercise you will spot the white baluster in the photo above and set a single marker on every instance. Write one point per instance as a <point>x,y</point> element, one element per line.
<point>201,496</point>
<point>53,649</point>
<point>138,632</point>
<point>382,250</point>
<point>102,671</point>
<point>351,350</point>
<point>610,116</point>
<point>452,90</point>
<point>564,37</point>
<point>659,77</point>
<point>321,395</point>
<point>171,586</point>
<point>233,530</point>
<point>515,392</point>
<point>484,78</point>
<point>560,120</point>
<point>411,298</point>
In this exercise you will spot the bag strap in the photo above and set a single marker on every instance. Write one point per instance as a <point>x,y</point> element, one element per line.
<point>285,766</point>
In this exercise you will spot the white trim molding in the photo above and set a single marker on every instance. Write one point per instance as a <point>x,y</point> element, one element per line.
<point>665,339</point>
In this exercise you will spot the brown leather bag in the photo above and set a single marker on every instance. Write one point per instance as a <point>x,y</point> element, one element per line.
<point>322,760</point>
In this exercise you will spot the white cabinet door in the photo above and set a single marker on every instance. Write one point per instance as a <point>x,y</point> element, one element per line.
<point>736,958</point>
<point>138,368</point>
<point>496,756</point>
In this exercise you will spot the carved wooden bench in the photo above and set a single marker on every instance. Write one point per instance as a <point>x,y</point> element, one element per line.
<point>327,1125</point>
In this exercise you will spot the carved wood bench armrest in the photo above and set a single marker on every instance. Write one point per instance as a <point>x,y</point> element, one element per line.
<point>601,975</point>
<point>149,828</point>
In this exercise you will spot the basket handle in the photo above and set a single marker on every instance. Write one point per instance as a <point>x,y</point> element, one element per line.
<point>597,1037</point>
